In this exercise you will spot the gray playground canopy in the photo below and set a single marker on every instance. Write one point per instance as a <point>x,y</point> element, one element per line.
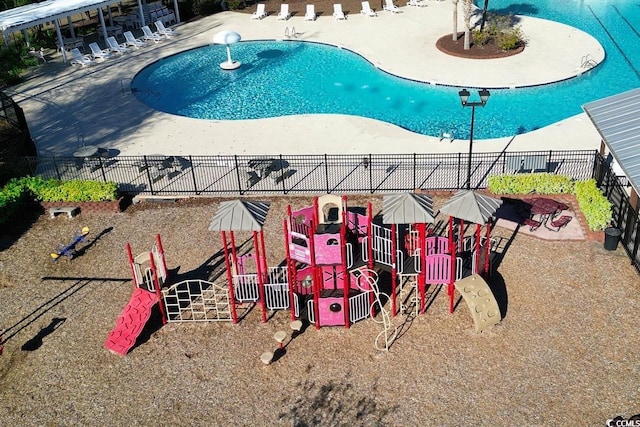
<point>617,119</point>
<point>470,206</point>
<point>407,208</point>
<point>239,215</point>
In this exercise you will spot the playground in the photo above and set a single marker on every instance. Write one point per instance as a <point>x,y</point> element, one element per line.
<point>566,332</point>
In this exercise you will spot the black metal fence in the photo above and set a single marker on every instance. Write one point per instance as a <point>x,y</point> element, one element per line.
<point>306,174</point>
<point>625,216</point>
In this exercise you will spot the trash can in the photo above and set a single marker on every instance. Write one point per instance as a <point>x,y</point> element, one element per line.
<point>611,238</point>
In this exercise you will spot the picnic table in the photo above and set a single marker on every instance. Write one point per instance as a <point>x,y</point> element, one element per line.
<point>545,208</point>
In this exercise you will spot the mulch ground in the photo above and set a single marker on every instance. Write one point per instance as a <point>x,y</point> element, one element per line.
<point>567,335</point>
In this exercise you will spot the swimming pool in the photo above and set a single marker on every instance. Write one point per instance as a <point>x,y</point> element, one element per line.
<point>275,80</point>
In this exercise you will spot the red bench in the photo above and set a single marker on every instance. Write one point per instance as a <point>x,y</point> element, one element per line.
<point>561,222</point>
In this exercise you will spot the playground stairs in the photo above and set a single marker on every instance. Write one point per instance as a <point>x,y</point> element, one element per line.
<point>131,322</point>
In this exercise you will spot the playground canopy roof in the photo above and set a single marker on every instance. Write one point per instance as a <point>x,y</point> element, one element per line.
<point>617,119</point>
<point>470,206</point>
<point>28,16</point>
<point>407,208</point>
<point>239,215</point>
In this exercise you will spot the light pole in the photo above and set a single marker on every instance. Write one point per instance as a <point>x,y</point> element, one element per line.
<point>464,99</point>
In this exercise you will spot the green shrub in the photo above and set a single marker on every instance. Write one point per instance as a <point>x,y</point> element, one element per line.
<point>594,205</point>
<point>18,191</point>
<point>541,183</point>
<point>480,38</point>
<point>52,190</point>
<point>509,39</point>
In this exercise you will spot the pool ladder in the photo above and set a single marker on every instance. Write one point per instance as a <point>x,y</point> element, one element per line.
<point>587,62</point>
<point>290,32</point>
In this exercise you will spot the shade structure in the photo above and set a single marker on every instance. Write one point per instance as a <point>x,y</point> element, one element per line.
<point>407,208</point>
<point>239,215</point>
<point>471,206</point>
<point>227,38</point>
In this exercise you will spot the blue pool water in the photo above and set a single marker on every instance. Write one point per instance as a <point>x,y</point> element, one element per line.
<point>290,78</point>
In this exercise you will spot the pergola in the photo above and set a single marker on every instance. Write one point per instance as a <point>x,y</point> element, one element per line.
<point>617,119</point>
<point>31,15</point>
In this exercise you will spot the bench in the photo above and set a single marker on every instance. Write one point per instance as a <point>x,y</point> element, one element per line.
<point>71,211</point>
<point>561,222</point>
<point>532,223</point>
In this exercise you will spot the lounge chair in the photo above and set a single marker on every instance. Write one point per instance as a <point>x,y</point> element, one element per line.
<point>390,7</point>
<point>417,3</point>
<point>116,47</point>
<point>338,14</point>
<point>38,54</point>
<point>98,53</point>
<point>284,12</point>
<point>78,58</point>
<point>260,12</point>
<point>147,34</point>
<point>310,14</point>
<point>366,10</point>
<point>164,31</point>
<point>132,41</point>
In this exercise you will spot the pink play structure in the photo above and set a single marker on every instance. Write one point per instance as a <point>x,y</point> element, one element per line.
<point>324,246</point>
<point>342,263</point>
<point>149,272</point>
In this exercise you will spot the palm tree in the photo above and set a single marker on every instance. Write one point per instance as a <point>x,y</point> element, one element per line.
<point>455,20</point>
<point>484,14</point>
<point>467,8</point>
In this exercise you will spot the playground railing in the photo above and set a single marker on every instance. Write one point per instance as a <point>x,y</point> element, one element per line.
<point>305,174</point>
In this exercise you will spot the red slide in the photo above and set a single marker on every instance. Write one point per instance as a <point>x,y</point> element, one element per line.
<point>131,322</point>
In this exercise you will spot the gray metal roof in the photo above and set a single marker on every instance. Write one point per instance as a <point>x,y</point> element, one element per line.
<point>471,206</point>
<point>33,14</point>
<point>407,208</point>
<point>239,215</point>
<point>617,119</point>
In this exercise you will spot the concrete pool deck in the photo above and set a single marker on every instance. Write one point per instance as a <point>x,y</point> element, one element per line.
<point>67,107</point>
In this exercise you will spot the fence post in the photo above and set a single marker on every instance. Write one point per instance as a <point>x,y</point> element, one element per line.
<point>549,161</point>
<point>371,190</point>
<point>193,176</point>
<point>104,175</point>
<point>326,172</point>
<point>282,178</point>
<point>459,164</point>
<point>146,169</point>
<point>55,165</point>
<point>235,159</point>
<point>415,160</point>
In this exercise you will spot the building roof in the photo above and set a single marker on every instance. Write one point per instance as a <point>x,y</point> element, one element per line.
<point>617,119</point>
<point>28,16</point>
<point>239,215</point>
<point>407,208</point>
<point>471,206</point>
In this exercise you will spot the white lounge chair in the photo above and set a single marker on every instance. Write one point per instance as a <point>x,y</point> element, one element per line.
<point>366,10</point>
<point>338,14</point>
<point>164,31</point>
<point>97,52</point>
<point>284,12</point>
<point>310,14</point>
<point>38,54</point>
<point>116,47</point>
<point>390,7</point>
<point>132,41</point>
<point>147,34</point>
<point>78,58</point>
<point>417,3</point>
<point>260,12</point>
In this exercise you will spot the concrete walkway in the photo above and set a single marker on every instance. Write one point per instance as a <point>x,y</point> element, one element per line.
<point>67,107</point>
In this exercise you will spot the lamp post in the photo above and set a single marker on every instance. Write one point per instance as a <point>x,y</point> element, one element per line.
<point>464,100</point>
